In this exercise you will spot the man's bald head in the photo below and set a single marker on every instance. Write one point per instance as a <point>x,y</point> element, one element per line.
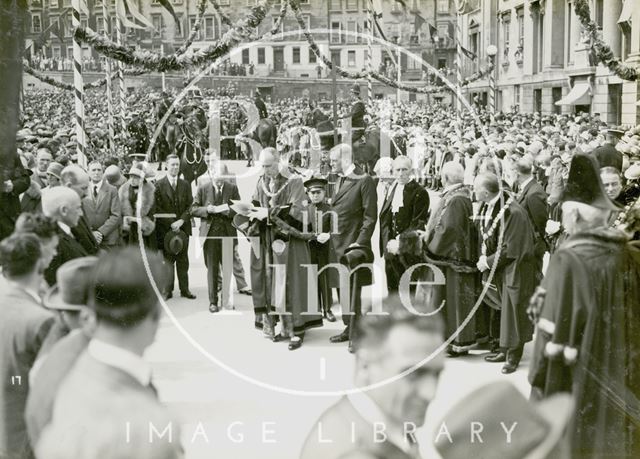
<point>74,177</point>
<point>270,160</point>
<point>62,204</point>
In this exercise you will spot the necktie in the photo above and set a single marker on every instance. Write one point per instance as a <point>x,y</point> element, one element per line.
<point>95,191</point>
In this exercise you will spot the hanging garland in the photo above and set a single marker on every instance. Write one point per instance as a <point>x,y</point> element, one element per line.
<point>478,75</point>
<point>278,22</point>
<point>69,87</point>
<point>344,73</point>
<point>153,61</point>
<point>202,7</point>
<point>223,17</point>
<point>602,50</point>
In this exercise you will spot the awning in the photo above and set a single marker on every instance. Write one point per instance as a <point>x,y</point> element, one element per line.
<point>627,9</point>
<point>580,94</point>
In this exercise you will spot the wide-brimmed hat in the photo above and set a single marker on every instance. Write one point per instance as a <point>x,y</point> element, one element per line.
<point>536,429</point>
<point>633,172</point>
<point>55,169</point>
<point>175,242</point>
<point>585,185</point>
<point>70,293</point>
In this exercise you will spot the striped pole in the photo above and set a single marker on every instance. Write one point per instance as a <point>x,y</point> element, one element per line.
<point>21,104</point>
<point>459,105</point>
<point>79,89</point>
<point>121,88</point>
<point>492,89</point>
<point>107,72</point>
<point>369,54</point>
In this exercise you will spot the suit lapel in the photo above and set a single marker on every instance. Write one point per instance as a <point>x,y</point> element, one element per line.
<point>388,198</point>
<point>100,196</point>
<point>348,183</point>
<point>168,190</point>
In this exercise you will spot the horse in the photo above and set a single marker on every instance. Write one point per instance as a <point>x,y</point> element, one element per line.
<point>192,142</point>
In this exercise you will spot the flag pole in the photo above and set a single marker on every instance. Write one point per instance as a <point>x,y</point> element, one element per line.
<point>78,89</point>
<point>121,87</point>
<point>399,64</point>
<point>107,74</point>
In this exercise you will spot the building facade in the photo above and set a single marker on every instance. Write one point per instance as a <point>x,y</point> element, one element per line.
<point>339,28</point>
<point>544,61</point>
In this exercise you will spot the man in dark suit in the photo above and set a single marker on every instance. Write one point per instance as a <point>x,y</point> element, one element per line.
<point>405,208</point>
<point>76,179</point>
<point>101,207</point>
<point>532,197</point>
<point>216,220</point>
<point>355,204</point>
<point>173,206</point>
<point>381,423</point>
<point>260,105</point>
<point>111,377</point>
<point>607,155</point>
<point>24,324</point>
<point>63,205</point>
<point>17,183</point>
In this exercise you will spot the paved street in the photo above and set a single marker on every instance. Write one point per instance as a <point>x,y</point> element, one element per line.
<point>219,371</point>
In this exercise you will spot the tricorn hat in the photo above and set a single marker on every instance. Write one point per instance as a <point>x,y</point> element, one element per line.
<point>175,242</point>
<point>70,293</point>
<point>584,184</point>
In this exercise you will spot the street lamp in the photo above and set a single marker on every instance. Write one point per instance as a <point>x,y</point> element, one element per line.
<point>492,50</point>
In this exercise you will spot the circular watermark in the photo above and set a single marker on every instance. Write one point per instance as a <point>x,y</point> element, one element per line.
<point>252,171</point>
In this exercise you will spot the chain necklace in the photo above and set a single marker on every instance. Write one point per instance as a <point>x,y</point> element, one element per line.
<point>487,234</point>
<point>445,204</point>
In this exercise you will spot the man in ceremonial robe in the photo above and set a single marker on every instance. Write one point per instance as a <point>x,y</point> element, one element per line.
<point>278,221</point>
<point>515,274</point>
<point>405,209</point>
<point>451,244</point>
<point>587,331</point>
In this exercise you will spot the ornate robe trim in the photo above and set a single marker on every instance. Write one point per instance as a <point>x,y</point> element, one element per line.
<point>546,326</point>
<point>553,349</point>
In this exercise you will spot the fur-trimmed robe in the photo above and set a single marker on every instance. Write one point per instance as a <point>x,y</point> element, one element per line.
<point>148,190</point>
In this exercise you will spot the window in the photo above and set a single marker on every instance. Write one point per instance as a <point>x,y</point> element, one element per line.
<point>36,23</point>
<point>156,19</point>
<point>223,2</point>
<point>442,63</point>
<point>208,28</point>
<point>56,52</point>
<point>179,29</point>
<point>280,29</point>
<point>443,30</point>
<point>192,23</point>
<point>335,5</point>
<point>245,56</point>
<point>351,58</point>
<point>599,12</point>
<point>336,29</point>
<point>296,55</point>
<point>99,23</point>
<point>261,54</point>
<point>351,5</point>
<point>307,21</point>
<point>54,4</point>
<point>516,95</point>
<point>443,6</point>
<point>312,57</point>
<point>352,31</point>
<point>521,27</point>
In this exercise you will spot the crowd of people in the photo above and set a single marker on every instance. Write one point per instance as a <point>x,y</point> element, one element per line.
<point>504,227</point>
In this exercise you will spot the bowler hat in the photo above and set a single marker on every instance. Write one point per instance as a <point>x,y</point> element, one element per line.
<point>355,256</point>
<point>534,430</point>
<point>175,242</point>
<point>71,290</point>
<point>585,185</point>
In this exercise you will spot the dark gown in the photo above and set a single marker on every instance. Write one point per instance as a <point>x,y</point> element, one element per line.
<point>588,341</point>
<point>452,246</point>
